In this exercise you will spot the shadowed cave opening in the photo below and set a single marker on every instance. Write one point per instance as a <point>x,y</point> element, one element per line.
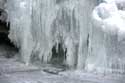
<point>7,48</point>
<point>58,55</point>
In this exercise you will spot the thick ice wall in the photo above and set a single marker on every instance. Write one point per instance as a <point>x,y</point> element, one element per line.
<point>35,29</point>
<point>38,25</point>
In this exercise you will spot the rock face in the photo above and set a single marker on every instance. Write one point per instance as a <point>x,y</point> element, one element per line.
<point>39,25</point>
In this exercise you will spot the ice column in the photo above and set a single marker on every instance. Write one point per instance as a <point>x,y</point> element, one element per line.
<point>85,9</point>
<point>19,12</point>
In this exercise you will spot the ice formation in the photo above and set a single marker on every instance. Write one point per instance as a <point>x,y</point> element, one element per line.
<point>110,42</point>
<point>89,41</point>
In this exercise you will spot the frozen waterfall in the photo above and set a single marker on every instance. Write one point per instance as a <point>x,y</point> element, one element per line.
<point>82,34</point>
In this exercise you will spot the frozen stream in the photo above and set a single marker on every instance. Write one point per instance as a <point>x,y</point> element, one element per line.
<point>15,72</point>
<point>12,71</point>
